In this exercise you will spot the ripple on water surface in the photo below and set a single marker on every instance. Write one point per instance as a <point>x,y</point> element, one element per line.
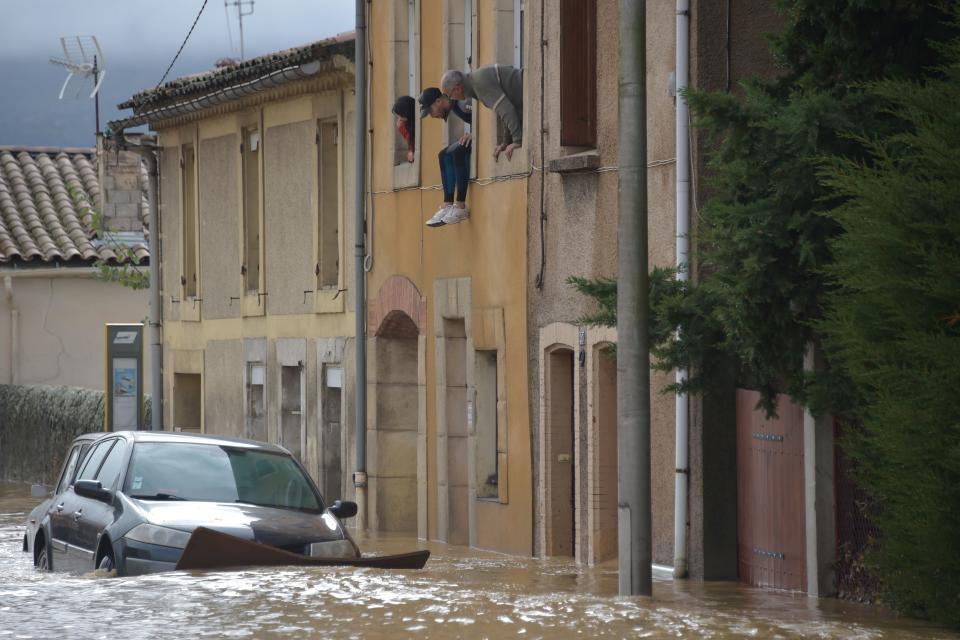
<point>461,593</point>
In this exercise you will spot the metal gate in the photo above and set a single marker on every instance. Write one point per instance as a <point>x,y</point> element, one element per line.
<point>770,494</point>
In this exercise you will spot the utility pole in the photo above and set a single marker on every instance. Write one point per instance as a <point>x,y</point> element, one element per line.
<point>633,348</point>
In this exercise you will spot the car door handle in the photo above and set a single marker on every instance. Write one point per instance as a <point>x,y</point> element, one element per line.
<point>77,514</point>
<point>59,507</point>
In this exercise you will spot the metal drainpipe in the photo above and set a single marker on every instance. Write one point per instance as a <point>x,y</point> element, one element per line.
<point>14,332</point>
<point>682,425</point>
<point>359,294</point>
<point>156,308</point>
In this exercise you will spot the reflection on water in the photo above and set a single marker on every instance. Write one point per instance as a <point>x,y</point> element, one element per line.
<point>461,593</point>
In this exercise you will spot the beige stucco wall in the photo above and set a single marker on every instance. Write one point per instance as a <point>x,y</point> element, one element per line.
<point>61,328</point>
<point>218,336</point>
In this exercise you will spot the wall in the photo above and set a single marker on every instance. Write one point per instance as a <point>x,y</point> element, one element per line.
<point>62,328</point>
<point>227,330</point>
<point>460,271</point>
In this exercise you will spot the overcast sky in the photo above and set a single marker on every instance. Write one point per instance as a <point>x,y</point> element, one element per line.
<point>138,39</point>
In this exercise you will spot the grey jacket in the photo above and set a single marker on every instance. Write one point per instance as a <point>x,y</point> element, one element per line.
<point>499,87</point>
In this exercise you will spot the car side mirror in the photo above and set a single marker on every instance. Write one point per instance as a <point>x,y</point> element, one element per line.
<point>39,491</point>
<point>344,509</point>
<point>92,489</point>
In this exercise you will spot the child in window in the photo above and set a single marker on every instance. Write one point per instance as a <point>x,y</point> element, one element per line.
<point>405,110</point>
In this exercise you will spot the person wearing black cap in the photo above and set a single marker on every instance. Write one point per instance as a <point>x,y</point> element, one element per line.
<point>454,159</point>
<point>405,109</point>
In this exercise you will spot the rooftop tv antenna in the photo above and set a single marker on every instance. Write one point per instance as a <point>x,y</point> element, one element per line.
<point>83,57</point>
<point>241,12</point>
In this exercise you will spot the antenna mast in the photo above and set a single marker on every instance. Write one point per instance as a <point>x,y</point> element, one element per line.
<point>83,57</point>
<point>240,4</point>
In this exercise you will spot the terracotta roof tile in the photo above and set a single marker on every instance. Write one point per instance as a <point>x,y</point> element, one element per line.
<point>47,198</point>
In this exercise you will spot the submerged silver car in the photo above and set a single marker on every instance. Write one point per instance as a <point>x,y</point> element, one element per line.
<point>131,500</point>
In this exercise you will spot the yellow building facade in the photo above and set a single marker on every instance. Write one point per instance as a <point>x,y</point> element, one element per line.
<point>448,406</point>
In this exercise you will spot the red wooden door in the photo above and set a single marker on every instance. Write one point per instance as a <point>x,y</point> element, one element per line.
<point>770,494</point>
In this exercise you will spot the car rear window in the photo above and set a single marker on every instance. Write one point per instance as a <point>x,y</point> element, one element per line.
<point>217,473</point>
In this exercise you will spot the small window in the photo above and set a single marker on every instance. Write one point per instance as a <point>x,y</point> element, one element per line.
<point>405,56</point>
<point>328,180</point>
<point>110,469</point>
<point>92,463</point>
<point>487,427</point>
<point>188,167</point>
<point>578,73</point>
<point>69,469</point>
<point>250,151</point>
<point>256,401</point>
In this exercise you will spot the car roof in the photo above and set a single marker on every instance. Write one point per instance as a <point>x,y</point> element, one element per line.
<point>177,437</point>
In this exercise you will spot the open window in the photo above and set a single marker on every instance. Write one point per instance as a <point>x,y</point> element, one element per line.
<point>578,73</point>
<point>508,40</point>
<point>404,80</point>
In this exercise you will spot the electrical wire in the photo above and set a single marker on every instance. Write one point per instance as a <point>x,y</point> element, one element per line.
<point>180,50</point>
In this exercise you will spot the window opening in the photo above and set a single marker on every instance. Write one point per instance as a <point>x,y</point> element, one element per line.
<point>487,426</point>
<point>250,151</point>
<point>578,73</point>
<point>328,260</point>
<point>189,181</point>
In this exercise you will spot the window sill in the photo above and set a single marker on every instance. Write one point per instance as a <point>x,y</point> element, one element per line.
<point>576,163</point>
<point>190,309</point>
<point>253,306</point>
<point>327,301</point>
<point>406,174</point>
<point>519,164</point>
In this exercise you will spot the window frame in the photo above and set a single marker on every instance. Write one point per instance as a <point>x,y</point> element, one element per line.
<point>251,302</point>
<point>405,174</point>
<point>189,307</point>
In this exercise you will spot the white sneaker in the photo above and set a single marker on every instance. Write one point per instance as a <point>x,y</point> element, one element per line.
<point>437,219</point>
<point>456,214</point>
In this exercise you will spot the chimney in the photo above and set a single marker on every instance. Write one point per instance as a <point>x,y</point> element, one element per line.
<point>122,188</point>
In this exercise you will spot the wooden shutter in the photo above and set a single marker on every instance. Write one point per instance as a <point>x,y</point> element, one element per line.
<point>578,73</point>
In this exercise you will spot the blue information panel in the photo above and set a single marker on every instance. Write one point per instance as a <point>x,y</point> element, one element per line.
<point>124,372</point>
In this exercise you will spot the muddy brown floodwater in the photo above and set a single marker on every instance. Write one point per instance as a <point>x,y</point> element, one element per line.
<point>461,593</point>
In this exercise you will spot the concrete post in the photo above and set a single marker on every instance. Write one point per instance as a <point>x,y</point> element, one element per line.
<point>634,538</point>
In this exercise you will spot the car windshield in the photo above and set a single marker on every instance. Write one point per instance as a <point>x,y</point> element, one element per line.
<point>218,473</point>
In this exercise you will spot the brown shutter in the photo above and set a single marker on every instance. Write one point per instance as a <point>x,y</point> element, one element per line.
<point>578,73</point>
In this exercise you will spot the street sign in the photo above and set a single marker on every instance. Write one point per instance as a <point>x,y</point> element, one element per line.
<point>123,405</point>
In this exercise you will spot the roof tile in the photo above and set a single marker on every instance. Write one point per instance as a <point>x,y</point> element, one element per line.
<point>47,198</point>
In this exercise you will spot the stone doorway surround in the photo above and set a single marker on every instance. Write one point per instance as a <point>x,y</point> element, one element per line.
<point>452,301</point>
<point>601,524</point>
<point>399,310</point>
<point>557,336</point>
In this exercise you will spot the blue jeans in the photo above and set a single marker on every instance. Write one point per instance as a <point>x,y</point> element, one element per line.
<point>455,171</point>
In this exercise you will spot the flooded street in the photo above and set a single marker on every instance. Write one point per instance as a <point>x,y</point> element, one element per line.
<point>461,593</point>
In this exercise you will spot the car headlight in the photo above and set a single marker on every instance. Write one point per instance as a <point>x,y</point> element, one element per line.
<point>335,549</point>
<point>162,536</point>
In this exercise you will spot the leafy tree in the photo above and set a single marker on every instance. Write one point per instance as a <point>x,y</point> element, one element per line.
<point>892,325</point>
<point>125,268</point>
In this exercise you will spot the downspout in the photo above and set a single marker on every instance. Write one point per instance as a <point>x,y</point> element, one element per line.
<point>359,274</point>
<point>14,332</point>
<point>156,308</point>
<point>682,426</point>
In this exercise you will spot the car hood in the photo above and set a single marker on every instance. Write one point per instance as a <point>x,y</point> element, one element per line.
<point>282,528</point>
